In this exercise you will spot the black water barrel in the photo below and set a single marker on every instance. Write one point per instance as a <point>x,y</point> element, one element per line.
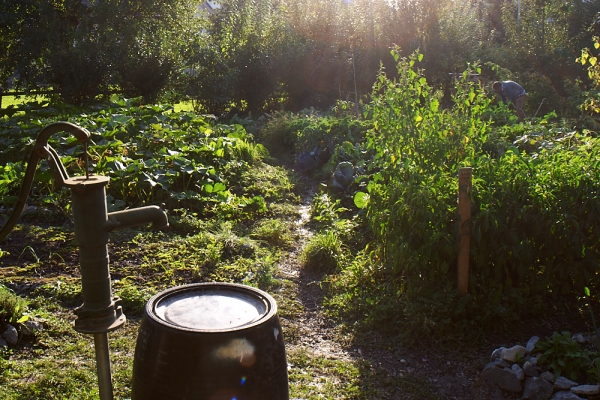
<point>212,341</point>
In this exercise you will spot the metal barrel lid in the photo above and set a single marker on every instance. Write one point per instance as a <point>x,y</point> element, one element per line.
<point>211,307</point>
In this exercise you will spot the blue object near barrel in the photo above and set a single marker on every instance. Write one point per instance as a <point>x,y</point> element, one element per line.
<point>212,341</point>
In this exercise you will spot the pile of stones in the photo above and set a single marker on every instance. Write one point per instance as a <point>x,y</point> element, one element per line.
<point>515,369</point>
<point>10,335</point>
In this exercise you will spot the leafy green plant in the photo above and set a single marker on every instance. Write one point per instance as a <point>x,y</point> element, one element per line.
<point>418,147</point>
<point>361,199</point>
<point>314,132</point>
<point>594,369</point>
<point>563,356</point>
<point>590,101</point>
<point>152,155</point>
<point>11,176</point>
<point>555,183</point>
<point>132,297</point>
<point>326,210</point>
<point>343,177</point>
<point>13,308</point>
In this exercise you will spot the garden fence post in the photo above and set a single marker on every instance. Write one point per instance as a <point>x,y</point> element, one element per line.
<point>465,176</point>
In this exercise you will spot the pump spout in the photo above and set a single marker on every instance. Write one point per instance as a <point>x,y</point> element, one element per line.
<point>138,216</point>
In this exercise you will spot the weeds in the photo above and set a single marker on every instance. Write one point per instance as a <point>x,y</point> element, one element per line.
<point>65,290</point>
<point>324,252</point>
<point>12,306</point>
<point>273,232</point>
<point>563,356</point>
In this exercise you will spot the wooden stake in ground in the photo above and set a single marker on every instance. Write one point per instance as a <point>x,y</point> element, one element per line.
<point>465,176</point>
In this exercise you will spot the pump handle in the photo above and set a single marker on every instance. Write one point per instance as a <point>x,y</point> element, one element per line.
<point>41,150</point>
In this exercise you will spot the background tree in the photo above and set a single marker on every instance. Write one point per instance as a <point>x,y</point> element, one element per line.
<point>255,55</point>
<point>541,45</point>
<point>83,48</point>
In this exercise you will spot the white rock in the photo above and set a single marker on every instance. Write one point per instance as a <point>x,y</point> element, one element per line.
<point>562,383</point>
<point>530,370</point>
<point>518,371</point>
<point>549,376</point>
<point>579,338</point>
<point>513,353</point>
<point>503,377</point>
<point>496,353</point>
<point>537,388</point>
<point>585,390</point>
<point>566,395</point>
<point>533,360</point>
<point>531,343</point>
<point>500,363</point>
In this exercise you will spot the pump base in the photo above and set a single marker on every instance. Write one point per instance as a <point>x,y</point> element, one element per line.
<point>100,321</point>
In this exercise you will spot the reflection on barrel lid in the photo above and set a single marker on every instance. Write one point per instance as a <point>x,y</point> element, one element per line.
<point>211,309</point>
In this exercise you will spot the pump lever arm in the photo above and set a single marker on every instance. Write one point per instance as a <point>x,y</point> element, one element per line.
<point>41,150</point>
<point>80,133</point>
<point>58,170</point>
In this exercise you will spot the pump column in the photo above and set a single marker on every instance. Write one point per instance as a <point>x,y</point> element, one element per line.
<point>100,312</point>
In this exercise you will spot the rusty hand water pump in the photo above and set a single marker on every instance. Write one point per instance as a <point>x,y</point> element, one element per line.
<point>199,341</point>
<point>101,312</point>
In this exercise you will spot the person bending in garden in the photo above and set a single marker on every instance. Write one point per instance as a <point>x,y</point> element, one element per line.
<point>512,91</point>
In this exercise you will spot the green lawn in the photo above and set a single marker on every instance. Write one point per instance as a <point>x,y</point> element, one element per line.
<point>183,106</point>
<point>19,100</point>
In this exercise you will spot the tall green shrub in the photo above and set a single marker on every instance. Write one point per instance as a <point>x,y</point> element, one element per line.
<point>418,149</point>
<point>536,217</point>
<point>536,207</point>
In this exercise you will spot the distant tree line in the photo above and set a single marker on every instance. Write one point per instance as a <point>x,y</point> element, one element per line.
<point>260,55</point>
<point>82,48</point>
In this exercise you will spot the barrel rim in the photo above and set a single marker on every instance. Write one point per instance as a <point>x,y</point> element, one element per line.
<point>270,303</point>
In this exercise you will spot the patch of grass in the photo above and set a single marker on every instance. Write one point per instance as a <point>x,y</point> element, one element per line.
<point>220,252</point>
<point>263,270</point>
<point>315,377</point>
<point>410,312</point>
<point>324,252</point>
<point>61,363</point>
<point>66,290</point>
<point>284,210</point>
<point>187,222</point>
<point>288,306</point>
<point>273,183</point>
<point>273,232</point>
<point>249,152</point>
<point>133,297</point>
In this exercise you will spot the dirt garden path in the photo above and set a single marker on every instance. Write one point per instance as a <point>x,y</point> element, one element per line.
<point>446,375</point>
